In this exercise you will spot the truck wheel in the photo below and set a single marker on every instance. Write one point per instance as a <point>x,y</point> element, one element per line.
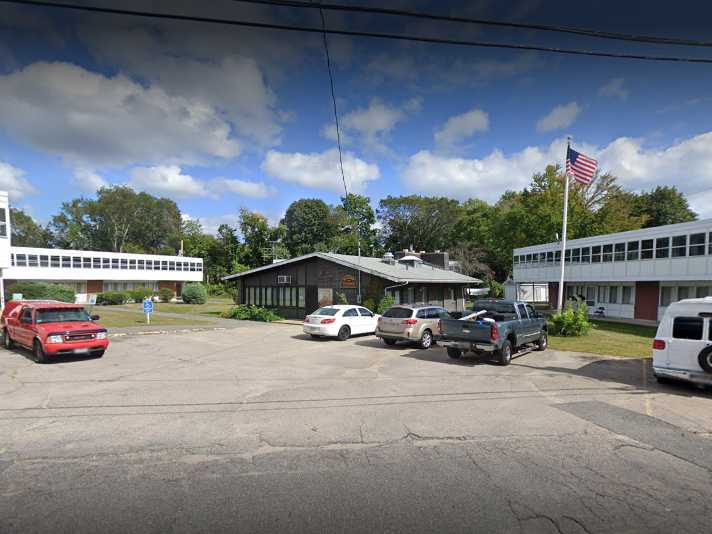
<point>454,353</point>
<point>543,342</point>
<point>504,355</point>
<point>344,333</point>
<point>39,353</point>
<point>705,359</point>
<point>7,341</point>
<point>98,354</point>
<point>426,340</point>
<point>389,342</point>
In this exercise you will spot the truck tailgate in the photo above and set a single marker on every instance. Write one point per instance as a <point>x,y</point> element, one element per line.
<point>476,331</point>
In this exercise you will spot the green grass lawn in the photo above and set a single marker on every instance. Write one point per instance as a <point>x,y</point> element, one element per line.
<point>117,318</point>
<point>211,308</point>
<point>610,339</point>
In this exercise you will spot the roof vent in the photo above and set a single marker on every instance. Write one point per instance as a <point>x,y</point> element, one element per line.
<point>389,258</point>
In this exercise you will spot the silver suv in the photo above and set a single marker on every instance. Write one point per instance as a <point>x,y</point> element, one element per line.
<point>410,323</point>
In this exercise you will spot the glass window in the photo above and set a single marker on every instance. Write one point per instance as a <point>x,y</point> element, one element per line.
<point>141,265</point>
<point>149,265</point>
<point>164,265</point>
<point>114,263</point>
<point>550,257</point>
<point>687,327</point>
<point>646,249</point>
<point>683,292</point>
<point>607,253</point>
<point>96,263</point>
<point>105,263</point>
<point>619,254</point>
<point>76,262</point>
<point>568,256</point>
<point>529,258</point>
<point>585,255</point>
<point>591,294</point>
<point>530,311</point>
<point>66,261</point>
<point>662,247</point>
<point>171,266</point>
<point>633,250</point>
<point>54,261</point>
<point>179,266</point>
<point>557,256</point>
<point>364,312</point>
<point>44,261</point>
<point>627,295</point>
<point>192,266</point>
<point>124,263</point>
<point>86,263</point>
<point>703,292</point>
<point>596,254</point>
<point>665,295</point>
<point>697,245</point>
<point>709,245</point>
<point>602,294</point>
<point>351,312</point>
<point>576,255</point>
<point>32,260</point>
<point>613,295</point>
<point>679,246</point>
<point>199,266</point>
<point>3,222</point>
<point>522,311</point>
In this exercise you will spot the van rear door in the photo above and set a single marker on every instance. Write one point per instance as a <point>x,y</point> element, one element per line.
<point>686,342</point>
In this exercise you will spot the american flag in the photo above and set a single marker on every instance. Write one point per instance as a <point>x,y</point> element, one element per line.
<point>581,167</point>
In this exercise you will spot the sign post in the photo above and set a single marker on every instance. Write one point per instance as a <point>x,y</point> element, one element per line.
<point>148,309</point>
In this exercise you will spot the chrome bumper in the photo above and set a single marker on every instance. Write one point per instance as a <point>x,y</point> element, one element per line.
<point>466,345</point>
<point>683,374</point>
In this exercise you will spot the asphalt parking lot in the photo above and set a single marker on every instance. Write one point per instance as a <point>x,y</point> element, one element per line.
<point>261,429</point>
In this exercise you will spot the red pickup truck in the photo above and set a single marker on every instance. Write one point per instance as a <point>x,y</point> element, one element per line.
<point>51,328</point>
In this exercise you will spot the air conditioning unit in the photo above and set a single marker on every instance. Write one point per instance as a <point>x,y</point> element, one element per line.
<point>284,279</point>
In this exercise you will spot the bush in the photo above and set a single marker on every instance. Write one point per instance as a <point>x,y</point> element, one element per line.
<point>570,321</point>
<point>41,291</point>
<point>165,294</point>
<point>139,294</point>
<point>250,313</point>
<point>340,298</point>
<point>369,304</point>
<point>112,298</point>
<point>217,290</point>
<point>386,302</point>
<point>194,293</point>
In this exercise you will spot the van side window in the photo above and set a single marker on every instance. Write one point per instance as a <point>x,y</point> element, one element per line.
<point>687,327</point>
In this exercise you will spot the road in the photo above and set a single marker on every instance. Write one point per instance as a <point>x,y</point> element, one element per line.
<point>259,429</point>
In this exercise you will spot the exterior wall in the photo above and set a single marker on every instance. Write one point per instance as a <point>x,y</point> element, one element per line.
<point>95,286</point>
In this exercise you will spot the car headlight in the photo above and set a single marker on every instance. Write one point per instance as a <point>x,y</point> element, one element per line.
<point>54,339</point>
<point>101,335</point>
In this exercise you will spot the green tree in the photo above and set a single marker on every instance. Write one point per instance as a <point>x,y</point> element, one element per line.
<point>26,232</point>
<point>310,226</point>
<point>663,205</point>
<point>73,228</point>
<point>355,220</point>
<point>256,237</point>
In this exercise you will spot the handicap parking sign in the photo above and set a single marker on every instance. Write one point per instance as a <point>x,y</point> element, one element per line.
<point>147,306</point>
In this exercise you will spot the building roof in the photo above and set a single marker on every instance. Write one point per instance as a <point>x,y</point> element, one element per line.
<point>397,272</point>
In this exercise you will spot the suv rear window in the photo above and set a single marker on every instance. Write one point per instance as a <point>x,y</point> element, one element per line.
<point>687,328</point>
<point>398,313</point>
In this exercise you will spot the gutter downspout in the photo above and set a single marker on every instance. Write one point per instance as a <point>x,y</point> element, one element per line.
<point>385,290</point>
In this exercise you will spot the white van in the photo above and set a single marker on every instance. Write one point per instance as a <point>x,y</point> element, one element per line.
<point>683,344</point>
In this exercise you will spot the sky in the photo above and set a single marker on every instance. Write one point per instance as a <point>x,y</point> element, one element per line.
<point>221,117</point>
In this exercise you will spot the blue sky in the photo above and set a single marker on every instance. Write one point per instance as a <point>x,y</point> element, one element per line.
<point>220,118</point>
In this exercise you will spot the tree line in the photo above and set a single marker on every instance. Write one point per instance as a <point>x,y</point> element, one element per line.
<point>478,234</point>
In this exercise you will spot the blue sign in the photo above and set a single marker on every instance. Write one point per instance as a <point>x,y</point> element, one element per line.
<point>147,306</point>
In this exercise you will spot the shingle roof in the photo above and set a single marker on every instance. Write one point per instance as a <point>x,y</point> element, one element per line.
<point>397,272</point>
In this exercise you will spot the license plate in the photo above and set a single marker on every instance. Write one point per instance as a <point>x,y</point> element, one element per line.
<point>81,351</point>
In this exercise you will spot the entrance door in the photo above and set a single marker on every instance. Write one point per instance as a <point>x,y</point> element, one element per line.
<point>646,300</point>
<point>311,299</point>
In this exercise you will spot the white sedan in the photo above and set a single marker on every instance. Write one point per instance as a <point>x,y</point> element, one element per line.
<point>340,321</point>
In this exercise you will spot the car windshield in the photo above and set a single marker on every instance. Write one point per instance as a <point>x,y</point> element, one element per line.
<point>398,313</point>
<point>62,315</point>
<point>326,311</point>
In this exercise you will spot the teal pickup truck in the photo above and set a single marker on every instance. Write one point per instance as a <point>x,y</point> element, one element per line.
<point>498,327</point>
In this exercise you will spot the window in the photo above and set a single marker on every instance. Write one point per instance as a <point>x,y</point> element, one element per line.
<point>627,295</point>
<point>124,263</point>
<point>3,222</point>
<point>32,260</point>
<point>596,254</point>
<point>529,258</point>
<point>106,263</point>
<point>662,247</point>
<point>164,265</point>
<point>613,295</point>
<point>54,261</point>
<point>66,262</point>
<point>709,241</point>
<point>351,312</point>
<point>557,256</point>
<point>646,249</point>
<point>576,255</point>
<point>665,296</point>
<point>179,265</point>
<point>522,311</point>
<point>591,294</point>
<point>141,265</point>
<point>633,250</point>
<point>683,293</point>
<point>602,294</point>
<point>607,253</point>
<point>96,263</point>
<point>619,254</point>
<point>585,255</point>
<point>132,264</point>
<point>703,292</point>
<point>679,246</point>
<point>687,327</point>
<point>697,245</point>
<point>284,279</point>
<point>76,262</point>
<point>550,257</point>
<point>149,265</point>
<point>44,261</point>
<point>171,266</point>
<point>199,266</point>
<point>530,312</point>
<point>568,256</point>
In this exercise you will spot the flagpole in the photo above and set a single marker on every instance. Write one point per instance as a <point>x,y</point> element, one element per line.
<point>563,228</point>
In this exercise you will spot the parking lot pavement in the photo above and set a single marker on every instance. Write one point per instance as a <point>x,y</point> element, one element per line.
<point>261,429</point>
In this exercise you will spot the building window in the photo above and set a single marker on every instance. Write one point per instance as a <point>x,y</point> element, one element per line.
<point>124,263</point>
<point>44,261</point>
<point>171,266</point>
<point>687,327</point>
<point>132,264</point>
<point>709,241</point>
<point>591,294</point>
<point>529,258</point>
<point>679,246</point>
<point>302,297</point>
<point>613,295</point>
<point>164,265</point>
<point>683,293</point>
<point>607,253</point>
<point>66,262</point>
<point>96,263</point>
<point>646,249</point>
<point>54,261</point>
<point>602,294</point>
<point>627,295</point>
<point>76,262</point>
<point>697,245</point>
<point>568,255</point>
<point>149,265</point>
<point>662,247</point>
<point>86,263</point>
<point>550,257</point>
<point>105,263</point>
<point>192,266</point>
<point>703,292</point>
<point>142,265</point>
<point>576,255</point>
<point>3,222</point>
<point>596,254</point>
<point>21,260</point>
<point>633,250</point>
<point>585,255</point>
<point>557,256</point>
<point>619,252</point>
<point>665,296</point>
<point>32,260</point>
<point>114,263</point>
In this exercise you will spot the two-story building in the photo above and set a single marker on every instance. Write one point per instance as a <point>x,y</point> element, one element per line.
<point>634,274</point>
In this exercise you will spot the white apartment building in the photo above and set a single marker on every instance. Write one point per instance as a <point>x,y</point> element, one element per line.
<point>634,274</point>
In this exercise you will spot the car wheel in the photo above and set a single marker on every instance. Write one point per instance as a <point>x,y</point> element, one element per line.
<point>389,342</point>
<point>543,342</point>
<point>39,353</point>
<point>454,353</point>
<point>344,333</point>
<point>7,341</point>
<point>504,355</point>
<point>426,339</point>
<point>705,359</point>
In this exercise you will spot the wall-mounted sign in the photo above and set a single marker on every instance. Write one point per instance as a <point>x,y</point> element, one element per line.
<point>325,296</point>
<point>348,282</point>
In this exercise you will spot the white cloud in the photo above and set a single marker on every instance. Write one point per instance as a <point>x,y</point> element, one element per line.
<point>167,180</point>
<point>461,127</point>
<point>93,120</point>
<point>614,88</point>
<point>12,181</point>
<point>88,181</point>
<point>701,203</point>
<point>560,117</point>
<point>320,170</point>
<point>241,187</point>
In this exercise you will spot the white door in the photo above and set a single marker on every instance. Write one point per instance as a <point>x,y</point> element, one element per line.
<point>687,340</point>
<point>351,318</point>
<point>368,321</point>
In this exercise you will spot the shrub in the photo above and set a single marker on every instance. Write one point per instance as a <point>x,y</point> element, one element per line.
<point>138,294</point>
<point>112,298</point>
<point>340,298</point>
<point>217,290</point>
<point>369,303</point>
<point>250,313</point>
<point>165,294</point>
<point>41,291</point>
<point>194,293</point>
<point>386,302</point>
<point>570,321</point>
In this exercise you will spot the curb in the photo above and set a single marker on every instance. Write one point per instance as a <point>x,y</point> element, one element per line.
<point>157,332</point>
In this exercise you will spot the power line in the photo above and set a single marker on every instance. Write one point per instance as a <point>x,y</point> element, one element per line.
<point>485,22</point>
<point>377,35</point>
